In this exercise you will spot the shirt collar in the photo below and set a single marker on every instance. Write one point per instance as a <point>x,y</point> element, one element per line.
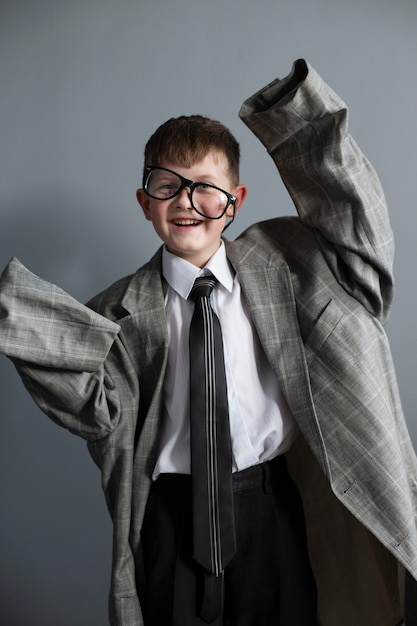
<point>180,274</point>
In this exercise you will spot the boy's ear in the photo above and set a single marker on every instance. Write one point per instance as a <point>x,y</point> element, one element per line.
<point>143,200</point>
<point>240,191</point>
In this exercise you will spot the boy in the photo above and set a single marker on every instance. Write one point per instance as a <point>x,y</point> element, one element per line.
<point>309,376</point>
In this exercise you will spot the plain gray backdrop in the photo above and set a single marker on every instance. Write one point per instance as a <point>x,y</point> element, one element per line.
<point>83,85</point>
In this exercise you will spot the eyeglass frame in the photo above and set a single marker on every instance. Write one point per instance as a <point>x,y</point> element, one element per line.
<point>186,182</point>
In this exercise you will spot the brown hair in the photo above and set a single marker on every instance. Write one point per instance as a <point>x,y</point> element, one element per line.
<point>186,140</point>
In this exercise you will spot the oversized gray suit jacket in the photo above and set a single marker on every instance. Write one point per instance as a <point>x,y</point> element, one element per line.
<point>319,288</point>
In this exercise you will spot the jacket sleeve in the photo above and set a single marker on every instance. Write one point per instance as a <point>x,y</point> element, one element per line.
<point>59,348</point>
<point>304,126</point>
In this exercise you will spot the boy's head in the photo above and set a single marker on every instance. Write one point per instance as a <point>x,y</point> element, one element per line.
<point>187,140</point>
<point>191,185</point>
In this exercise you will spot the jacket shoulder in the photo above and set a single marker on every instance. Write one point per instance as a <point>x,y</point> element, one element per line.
<point>267,241</point>
<point>109,302</point>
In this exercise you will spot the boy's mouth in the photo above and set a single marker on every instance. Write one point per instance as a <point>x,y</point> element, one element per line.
<point>186,222</point>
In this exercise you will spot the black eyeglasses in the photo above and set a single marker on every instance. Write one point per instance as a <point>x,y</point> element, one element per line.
<point>206,199</point>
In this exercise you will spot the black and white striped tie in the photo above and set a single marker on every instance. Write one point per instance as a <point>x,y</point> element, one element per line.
<point>211,455</point>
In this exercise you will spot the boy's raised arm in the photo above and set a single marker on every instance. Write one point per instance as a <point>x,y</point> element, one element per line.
<point>304,126</point>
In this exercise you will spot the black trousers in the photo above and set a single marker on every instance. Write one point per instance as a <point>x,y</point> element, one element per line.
<point>268,582</point>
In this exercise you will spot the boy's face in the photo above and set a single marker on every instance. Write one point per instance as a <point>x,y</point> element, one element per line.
<point>184,232</point>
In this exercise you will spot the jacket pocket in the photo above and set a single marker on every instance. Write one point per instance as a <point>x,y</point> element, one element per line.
<point>325,325</point>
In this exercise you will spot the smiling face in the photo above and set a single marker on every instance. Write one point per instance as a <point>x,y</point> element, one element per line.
<point>184,232</point>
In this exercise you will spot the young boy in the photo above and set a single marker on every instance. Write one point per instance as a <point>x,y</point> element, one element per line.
<point>310,382</point>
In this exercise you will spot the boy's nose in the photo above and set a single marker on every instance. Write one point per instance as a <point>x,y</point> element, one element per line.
<point>183,198</point>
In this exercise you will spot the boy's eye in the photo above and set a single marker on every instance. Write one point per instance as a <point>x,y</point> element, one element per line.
<point>165,191</point>
<point>164,187</point>
<point>205,188</point>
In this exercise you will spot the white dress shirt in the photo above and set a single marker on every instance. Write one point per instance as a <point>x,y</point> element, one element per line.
<point>261,422</point>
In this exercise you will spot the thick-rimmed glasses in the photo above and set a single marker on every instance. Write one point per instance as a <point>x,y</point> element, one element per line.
<point>206,199</point>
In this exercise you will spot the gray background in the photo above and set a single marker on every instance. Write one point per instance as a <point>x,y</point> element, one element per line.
<point>83,85</point>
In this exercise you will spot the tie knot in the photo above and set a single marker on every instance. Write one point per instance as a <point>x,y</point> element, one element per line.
<point>203,286</point>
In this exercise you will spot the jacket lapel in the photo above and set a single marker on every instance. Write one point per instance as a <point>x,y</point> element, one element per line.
<point>145,327</point>
<point>269,294</point>
<point>144,332</point>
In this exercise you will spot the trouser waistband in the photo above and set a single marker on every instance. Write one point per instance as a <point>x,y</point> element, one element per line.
<point>259,475</point>
<point>249,478</point>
